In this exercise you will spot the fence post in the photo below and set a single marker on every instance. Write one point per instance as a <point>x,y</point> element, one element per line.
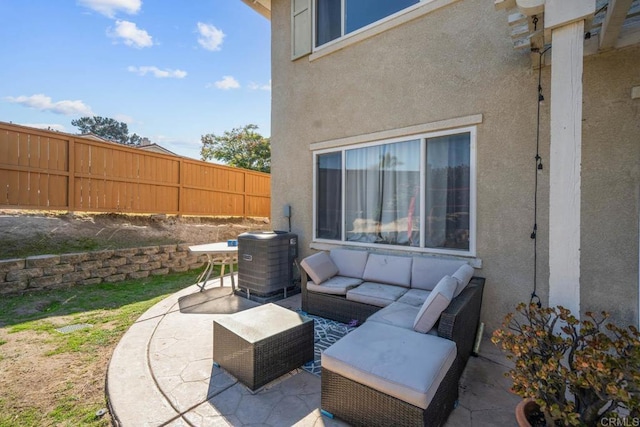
<point>245,199</point>
<point>71,169</point>
<point>180,184</point>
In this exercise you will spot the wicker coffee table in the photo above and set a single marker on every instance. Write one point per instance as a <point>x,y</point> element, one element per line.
<point>260,344</point>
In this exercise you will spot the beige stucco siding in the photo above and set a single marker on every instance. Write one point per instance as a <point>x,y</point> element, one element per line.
<point>455,62</point>
<point>611,184</point>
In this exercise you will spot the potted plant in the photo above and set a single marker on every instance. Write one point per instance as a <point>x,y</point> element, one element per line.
<point>577,372</point>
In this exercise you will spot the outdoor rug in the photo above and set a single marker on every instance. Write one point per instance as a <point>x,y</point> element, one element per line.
<point>218,300</point>
<point>326,332</point>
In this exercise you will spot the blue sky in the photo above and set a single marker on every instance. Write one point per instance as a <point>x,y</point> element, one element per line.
<point>172,70</point>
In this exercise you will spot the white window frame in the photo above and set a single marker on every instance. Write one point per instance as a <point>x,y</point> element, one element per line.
<point>471,252</point>
<point>405,15</point>
<point>359,30</point>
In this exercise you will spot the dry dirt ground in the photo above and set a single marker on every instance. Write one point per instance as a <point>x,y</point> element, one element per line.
<point>39,384</point>
<point>30,379</point>
<point>25,233</point>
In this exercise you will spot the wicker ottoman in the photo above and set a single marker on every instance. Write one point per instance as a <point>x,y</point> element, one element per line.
<point>260,344</point>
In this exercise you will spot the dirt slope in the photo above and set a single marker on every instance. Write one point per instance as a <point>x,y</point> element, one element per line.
<point>27,233</point>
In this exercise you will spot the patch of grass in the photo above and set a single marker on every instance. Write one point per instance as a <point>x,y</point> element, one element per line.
<point>69,411</point>
<point>28,417</point>
<point>90,302</point>
<point>85,340</point>
<point>18,416</point>
<point>71,407</point>
<point>44,244</point>
<point>110,308</point>
<point>32,326</point>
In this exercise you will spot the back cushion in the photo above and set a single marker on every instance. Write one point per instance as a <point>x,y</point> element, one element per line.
<point>463,275</point>
<point>427,271</point>
<point>350,263</point>
<point>390,269</point>
<point>437,301</point>
<point>319,267</point>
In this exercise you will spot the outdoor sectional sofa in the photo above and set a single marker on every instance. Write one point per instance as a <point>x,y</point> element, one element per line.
<point>419,316</point>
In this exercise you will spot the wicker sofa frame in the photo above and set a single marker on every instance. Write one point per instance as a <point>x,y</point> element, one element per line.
<point>363,406</point>
<point>338,307</point>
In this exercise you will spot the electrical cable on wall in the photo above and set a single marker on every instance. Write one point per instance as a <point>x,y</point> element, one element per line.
<point>287,214</point>
<point>535,299</point>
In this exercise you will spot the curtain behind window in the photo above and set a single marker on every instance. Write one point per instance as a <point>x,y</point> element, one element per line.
<point>382,194</point>
<point>447,192</point>
<point>329,196</point>
<point>328,21</point>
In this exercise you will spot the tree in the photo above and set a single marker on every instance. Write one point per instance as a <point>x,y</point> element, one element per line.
<point>107,128</point>
<point>241,147</point>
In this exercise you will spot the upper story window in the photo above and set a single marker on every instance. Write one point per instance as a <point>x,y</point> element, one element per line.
<point>416,192</point>
<point>336,18</point>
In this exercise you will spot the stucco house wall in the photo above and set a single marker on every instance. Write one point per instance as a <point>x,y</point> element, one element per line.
<point>455,62</point>
<point>611,184</point>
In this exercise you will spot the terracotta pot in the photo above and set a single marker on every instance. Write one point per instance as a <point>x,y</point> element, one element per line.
<point>524,408</point>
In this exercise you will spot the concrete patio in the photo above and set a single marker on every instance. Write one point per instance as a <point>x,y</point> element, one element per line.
<point>162,374</point>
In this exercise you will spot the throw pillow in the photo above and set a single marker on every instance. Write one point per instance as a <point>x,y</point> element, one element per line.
<point>319,267</point>
<point>435,304</point>
<point>463,275</point>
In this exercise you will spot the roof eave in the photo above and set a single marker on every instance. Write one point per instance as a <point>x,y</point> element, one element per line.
<point>263,7</point>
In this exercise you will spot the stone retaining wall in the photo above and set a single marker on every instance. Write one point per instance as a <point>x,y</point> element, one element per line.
<point>87,268</point>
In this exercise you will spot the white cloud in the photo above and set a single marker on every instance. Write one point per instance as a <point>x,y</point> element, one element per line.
<point>131,34</point>
<point>110,7</point>
<point>210,37</point>
<point>157,72</point>
<point>256,86</point>
<point>48,126</point>
<point>44,103</point>
<point>227,82</point>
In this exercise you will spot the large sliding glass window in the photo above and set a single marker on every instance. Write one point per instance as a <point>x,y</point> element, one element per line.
<point>415,193</point>
<point>335,18</point>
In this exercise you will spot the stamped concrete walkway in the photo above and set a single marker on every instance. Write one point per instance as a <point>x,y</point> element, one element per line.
<point>162,374</point>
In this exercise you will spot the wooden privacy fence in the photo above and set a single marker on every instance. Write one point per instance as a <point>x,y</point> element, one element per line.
<point>48,170</point>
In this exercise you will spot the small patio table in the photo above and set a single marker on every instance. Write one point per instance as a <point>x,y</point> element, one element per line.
<point>217,254</point>
<point>263,343</point>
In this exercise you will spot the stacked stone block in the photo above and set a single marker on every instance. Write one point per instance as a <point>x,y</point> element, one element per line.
<point>86,268</point>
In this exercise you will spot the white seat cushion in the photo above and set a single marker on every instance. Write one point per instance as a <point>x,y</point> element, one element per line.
<point>391,269</point>
<point>463,275</point>
<point>377,294</point>
<point>396,314</point>
<point>414,297</point>
<point>337,285</point>
<point>392,360</point>
<point>350,262</point>
<point>426,272</point>
<point>319,267</point>
<point>435,304</point>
